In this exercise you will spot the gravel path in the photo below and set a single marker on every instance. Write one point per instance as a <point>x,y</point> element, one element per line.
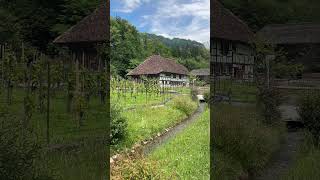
<point>177,129</point>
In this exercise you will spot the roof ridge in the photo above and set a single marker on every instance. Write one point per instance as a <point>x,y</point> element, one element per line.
<point>292,23</point>
<point>236,17</point>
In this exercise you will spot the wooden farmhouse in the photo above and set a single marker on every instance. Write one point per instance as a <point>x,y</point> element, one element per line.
<point>201,74</point>
<point>301,42</point>
<point>84,38</point>
<point>167,71</point>
<point>231,53</point>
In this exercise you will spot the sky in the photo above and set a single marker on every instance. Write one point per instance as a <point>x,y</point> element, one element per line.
<point>186,19</point>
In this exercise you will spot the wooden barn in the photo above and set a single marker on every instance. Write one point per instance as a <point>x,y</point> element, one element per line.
<point>231,53</point>
<point>85,37</point>
<point>167,71</point>
<point>301,42</point>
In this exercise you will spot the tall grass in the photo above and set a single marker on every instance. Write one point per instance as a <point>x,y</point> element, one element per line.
<point>307,161</point>
<point>77,163</point>
<point>240,134</point>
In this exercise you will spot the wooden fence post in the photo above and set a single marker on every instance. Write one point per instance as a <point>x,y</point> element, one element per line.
<point>48,101</point>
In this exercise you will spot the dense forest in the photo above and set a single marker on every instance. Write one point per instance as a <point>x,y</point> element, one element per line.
<point>38,22</point>
<point>130,47</point>
<point>258,13</point>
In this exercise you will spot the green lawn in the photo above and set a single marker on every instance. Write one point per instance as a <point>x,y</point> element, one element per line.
<point>187,155</point>
<point>146,122</point>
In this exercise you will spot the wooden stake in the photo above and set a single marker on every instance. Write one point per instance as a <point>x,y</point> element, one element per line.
<point>48,102</point>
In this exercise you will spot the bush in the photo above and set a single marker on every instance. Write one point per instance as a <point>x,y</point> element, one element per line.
<point>208,98</point>
<point>194,92</point>
<point>309,111</point>
<point>118,123</point>
<point>268,103</point>
<point>184,105</point>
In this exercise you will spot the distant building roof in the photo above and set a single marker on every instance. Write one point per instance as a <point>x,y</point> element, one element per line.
<point>201,72</point>
<point>156,64</point>
<point>291,33</point>
<point>228,26</point>
<point>93,28</point>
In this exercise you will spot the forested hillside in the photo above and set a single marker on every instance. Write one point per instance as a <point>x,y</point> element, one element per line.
<point>38,22</point>
<point>130,47</point>
<point>258,13</point>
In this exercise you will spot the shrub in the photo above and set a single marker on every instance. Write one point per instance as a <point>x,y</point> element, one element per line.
<point>118,123</point>
<point>194,92</point>
<point>208,97</point>
<point>268,103</point>
<point>309,111</point>
<point>184,105</point>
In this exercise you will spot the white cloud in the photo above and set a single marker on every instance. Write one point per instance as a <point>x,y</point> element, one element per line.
<point>131,5</point>
<point>170,16</point>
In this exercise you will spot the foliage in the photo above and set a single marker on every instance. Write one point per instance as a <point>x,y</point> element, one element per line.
<point>118,128</point>
<point>129,48</point>
<point>194,92</point>
<point>138,168</point>
<point>268,97</point>
<point>240,134</point>
<point>309,111</point>
<point>262,12</point>
<point>268,100</point>
<point>184,105</point>
<point>306,163</point>
<point>208,97</point>
<point>19,151</point>
<point>39,22</point>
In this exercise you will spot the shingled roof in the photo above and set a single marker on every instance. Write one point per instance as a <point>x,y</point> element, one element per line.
<point>201,72</point>
<point>228,26</point>
<point>93,28</point>
<point>291,33</point>
<point>156,64</point>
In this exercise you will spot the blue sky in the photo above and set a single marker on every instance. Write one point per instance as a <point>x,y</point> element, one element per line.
<point>187,19</point>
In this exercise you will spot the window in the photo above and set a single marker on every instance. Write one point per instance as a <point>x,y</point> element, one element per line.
<point>174,76</point>
<point>180,76</point>
<point>224,48</point>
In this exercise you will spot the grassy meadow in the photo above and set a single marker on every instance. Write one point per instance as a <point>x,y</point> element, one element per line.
<point>144,123</point>
<point>187,155</point>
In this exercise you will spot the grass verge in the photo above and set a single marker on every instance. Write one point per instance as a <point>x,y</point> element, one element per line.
<point>187,155</point>
<point>144,123</point>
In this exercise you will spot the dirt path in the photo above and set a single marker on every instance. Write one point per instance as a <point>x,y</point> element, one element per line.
<point>284,158</point>
<point>177,129</point>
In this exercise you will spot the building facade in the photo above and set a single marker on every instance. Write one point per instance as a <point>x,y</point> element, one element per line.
<point>231,53</point>
<point>301,42</point>
<point>166,71</point>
